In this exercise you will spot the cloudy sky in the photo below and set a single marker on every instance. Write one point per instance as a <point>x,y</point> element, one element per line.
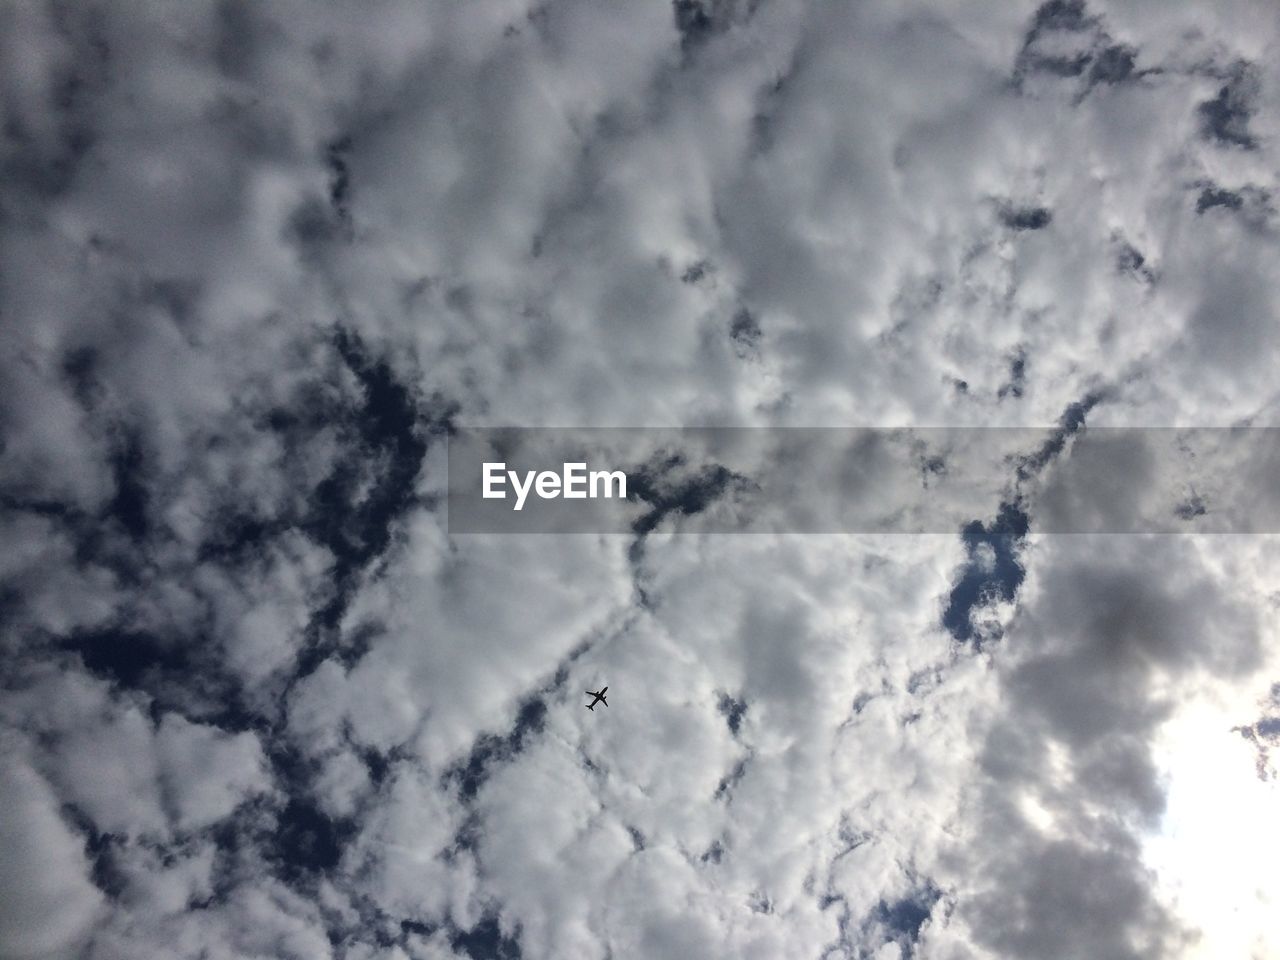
<point>259,262</point>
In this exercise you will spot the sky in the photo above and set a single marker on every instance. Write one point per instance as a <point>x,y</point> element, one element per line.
<point>260,262</point>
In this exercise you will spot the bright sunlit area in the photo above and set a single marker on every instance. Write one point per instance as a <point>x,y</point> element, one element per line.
<point>1217,856</point>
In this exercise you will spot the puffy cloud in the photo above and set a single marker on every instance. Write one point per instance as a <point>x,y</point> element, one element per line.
<point>1107,651</point>
<point>48,899</point>
<point>261,262</point>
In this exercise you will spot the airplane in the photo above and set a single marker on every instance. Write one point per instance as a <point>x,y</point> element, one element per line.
<point>599,698</point>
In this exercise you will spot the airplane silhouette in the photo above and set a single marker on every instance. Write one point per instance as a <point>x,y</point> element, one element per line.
<point>599,698</point>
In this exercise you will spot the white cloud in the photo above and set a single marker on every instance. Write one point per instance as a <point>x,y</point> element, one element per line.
<point>47,900</point>
<point>259,260</point>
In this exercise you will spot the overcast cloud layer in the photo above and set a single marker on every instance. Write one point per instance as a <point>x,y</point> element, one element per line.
<point>259,261</point>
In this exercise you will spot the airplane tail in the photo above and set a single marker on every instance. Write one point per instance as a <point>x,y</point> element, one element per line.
<point>591,706</point>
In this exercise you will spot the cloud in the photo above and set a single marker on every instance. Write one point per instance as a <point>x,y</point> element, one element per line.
<point>1072,784</point>
<point>48,899</point>
<point>262,263</point>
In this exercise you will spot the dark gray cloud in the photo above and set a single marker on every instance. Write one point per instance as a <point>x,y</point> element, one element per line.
<point>1105,645</point>
<point>1225,118</point>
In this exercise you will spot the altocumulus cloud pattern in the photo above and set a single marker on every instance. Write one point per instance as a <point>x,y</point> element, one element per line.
<point>259,262</point>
